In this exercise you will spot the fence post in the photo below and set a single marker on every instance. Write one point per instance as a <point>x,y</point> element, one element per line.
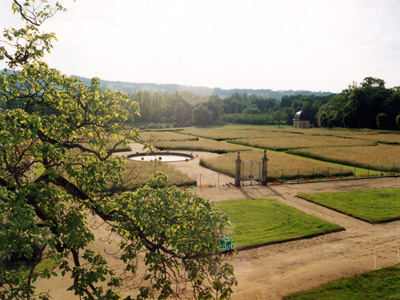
<point>237,173</point>
<point>251,173</point>
<point>264,169</point>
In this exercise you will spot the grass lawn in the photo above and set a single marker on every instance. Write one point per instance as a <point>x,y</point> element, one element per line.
<point>373,206</point>
<point>262,221</point>
<point>380,284</point>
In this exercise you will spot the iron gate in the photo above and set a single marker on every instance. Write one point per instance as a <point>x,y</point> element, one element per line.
<point>251,172</point>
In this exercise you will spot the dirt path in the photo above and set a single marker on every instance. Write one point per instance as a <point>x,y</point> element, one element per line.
<point>273,271</point>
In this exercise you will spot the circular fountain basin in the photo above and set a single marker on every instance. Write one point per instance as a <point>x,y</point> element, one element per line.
<point>161,156</point>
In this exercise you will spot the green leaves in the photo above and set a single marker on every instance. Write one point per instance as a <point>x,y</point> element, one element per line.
<point>56,169</point>
<point>178,231</point>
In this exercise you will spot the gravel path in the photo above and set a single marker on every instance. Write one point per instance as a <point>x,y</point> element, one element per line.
<point>270,272</point>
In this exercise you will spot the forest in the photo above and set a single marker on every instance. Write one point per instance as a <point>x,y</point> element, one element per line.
<point>366,105</point>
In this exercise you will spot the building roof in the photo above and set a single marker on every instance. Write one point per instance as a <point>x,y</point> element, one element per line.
<point>301,116</point>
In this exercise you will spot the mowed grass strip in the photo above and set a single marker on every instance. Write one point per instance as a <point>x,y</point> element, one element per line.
<point>238,131</point>
<point>381,157</point>
<point>200,145</point>
<point>374,206</point>
<point>285,141</point>
<point>177,141</point>
<point>380,284</point>
<point>262,221</point>
<point>139,172</point>
<point>149,136</point>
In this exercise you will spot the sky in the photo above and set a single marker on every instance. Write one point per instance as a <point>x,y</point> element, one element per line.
<point>321,45</point>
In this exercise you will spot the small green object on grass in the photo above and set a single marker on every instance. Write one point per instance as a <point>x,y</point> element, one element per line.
<point>226,242</point>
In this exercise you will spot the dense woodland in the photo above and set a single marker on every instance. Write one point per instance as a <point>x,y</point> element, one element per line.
<point>368,105</point>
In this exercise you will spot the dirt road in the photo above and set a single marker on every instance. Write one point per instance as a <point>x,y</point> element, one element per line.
<point>273,271</point>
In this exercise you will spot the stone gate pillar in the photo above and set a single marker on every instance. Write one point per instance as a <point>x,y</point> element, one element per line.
<point>238,170</point>
<point>264,169</point>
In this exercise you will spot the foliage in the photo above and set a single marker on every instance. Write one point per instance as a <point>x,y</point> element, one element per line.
<point>243,108</point>
<point>166,108</point>
<point>359,106</point>
<point>262,221</point>
<point>379,284</point>
<point>56,124</point>
<point>209,112</point>
<point>381,121</point>
<point>201,115</point>
<point>254,119</point>
<point>369,205</point>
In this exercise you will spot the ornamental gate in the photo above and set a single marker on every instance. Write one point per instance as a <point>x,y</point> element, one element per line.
<point>252,171</point>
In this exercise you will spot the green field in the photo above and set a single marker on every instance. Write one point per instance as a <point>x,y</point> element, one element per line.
<point>374,206</point>
<point>380,284</point>
<point>261,221</point>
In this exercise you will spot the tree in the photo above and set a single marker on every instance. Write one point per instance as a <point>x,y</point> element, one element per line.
<point>251,110</point>
<point>398,121</point>
<point>279,117</point>
<point>57,168</point>
<point>202,115</point>
<point>381,121</point>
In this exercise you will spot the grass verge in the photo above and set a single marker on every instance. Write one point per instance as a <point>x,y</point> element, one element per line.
<point>374,206</point>
<point>380,284</point>
<point>263,221</point>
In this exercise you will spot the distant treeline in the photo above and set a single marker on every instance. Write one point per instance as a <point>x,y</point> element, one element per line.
<point>173,109</point>
<point>368,105</point>
<point>132,87</point>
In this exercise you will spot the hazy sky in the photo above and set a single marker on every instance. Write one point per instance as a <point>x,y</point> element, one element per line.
<point>321,45</point>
